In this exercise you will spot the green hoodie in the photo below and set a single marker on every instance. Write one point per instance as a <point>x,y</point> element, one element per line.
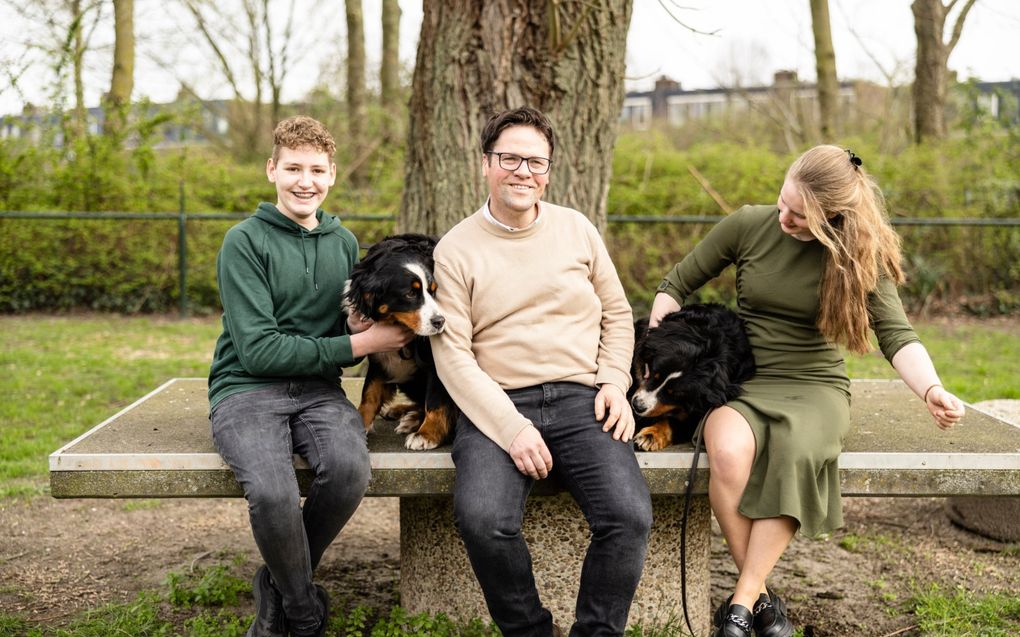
<point>281,287</point>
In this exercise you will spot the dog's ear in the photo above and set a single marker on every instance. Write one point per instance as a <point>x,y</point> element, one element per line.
<point>359,295</point>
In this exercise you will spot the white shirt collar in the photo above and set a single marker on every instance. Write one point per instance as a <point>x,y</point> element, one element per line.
<point>496,222</point>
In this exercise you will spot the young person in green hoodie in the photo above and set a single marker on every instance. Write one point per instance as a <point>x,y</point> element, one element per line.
<point>274,383</point>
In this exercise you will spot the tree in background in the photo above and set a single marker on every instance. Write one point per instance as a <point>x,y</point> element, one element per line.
<point>122,83</point>
<point>389,70</point>
<point>355,85</point>
<point>931,71</point>
<point>246,42</point>
<point>478,57</point>
<point>825,65</point>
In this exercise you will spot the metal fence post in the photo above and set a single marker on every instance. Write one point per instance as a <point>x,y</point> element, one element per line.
<point>182,255</point>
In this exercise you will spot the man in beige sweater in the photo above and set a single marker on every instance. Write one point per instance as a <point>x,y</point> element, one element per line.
<point>536,353</point>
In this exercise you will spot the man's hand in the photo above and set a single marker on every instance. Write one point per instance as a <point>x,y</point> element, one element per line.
<point>356,322</point>
<point>530,454</point>
<point>611,404</point>
<point>380,337</point>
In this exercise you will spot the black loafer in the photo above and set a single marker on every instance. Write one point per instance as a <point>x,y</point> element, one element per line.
<point>270,620</point>
<point>770,616</point>
<point>720,613</point>
<point>737,623</point>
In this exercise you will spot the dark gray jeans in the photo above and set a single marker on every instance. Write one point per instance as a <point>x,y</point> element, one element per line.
<point>257,432</point>
<point>603,476</point>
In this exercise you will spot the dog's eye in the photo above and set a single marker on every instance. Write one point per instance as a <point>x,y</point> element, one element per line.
<point>411,295</point>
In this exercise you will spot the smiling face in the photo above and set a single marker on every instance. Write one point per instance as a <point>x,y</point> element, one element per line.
<point>514,194</point>
<point>791,213</point>
<point>302,177</point>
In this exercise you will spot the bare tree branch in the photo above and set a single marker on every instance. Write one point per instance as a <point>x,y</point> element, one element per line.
<point>958,25</point>
<point>681,22</point>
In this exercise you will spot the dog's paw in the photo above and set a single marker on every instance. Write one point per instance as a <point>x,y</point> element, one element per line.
<point>649,440</point>
<point>409,422</point>
<point>395,409</point>
<point>418,442</point>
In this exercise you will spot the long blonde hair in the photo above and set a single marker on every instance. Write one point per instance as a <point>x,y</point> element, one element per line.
<point>846,212</point>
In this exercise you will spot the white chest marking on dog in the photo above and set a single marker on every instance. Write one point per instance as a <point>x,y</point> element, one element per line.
<point>649,398</point>
<point>429,308</point>
<point>399,370</point>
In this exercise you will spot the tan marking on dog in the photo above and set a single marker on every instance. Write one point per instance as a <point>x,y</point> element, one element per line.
<point>433,430</point>
<point>654,437</point>
<point>373,395</point>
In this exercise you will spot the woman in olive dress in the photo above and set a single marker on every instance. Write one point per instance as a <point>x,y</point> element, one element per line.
<point>813,272</point>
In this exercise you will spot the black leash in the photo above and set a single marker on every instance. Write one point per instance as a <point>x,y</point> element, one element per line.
<point>688,490</point>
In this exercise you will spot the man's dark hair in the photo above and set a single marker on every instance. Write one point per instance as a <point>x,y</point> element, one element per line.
<point>523,116</point>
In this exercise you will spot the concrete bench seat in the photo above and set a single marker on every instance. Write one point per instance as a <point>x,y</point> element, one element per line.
<point>161,447</point>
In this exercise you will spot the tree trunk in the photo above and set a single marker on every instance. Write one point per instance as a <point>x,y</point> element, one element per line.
<point>931,71</point>
<point>825,65</point>
<point>123,80</point>
<point>389,71</point>
<point>355,84</point>
<point>76,39</point>
<point>478,57</point>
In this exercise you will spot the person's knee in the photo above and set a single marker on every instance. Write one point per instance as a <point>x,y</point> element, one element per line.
<point>346,469</point>
<point>478,520</point>
<point>270,496</point>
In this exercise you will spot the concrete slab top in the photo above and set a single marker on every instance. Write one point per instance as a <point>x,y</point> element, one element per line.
<point>169,429</point>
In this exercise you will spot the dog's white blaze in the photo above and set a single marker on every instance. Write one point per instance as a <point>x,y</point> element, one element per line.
<point>429,308</point>
<point>650,398</point>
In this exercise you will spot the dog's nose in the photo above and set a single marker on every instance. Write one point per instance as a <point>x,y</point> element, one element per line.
<point>637,404</point>
<point>438,322</point>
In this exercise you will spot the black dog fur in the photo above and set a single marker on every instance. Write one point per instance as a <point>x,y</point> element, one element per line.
<point>394,284</point>
<point>693,361</point>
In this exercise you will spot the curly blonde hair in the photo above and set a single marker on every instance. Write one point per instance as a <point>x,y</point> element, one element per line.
<point>300,132</point>
<point>845,211</point>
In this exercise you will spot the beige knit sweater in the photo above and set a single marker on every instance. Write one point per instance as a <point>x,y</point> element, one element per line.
<point>524,308</point>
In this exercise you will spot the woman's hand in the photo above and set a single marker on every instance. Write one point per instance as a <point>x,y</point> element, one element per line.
<point>945,408</point>
<point>662,305</point>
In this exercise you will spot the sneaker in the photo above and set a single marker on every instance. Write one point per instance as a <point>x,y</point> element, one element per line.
<point>737,623</point>
<point>270,621</point>
<point>770,616</point>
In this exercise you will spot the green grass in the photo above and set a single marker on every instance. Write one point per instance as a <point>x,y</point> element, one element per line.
<point>962,614</point>
<point>60,376</point>
<point>976,361</point>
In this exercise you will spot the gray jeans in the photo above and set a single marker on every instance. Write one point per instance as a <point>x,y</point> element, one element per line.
<point>601,474</point>
<point>257,432</point>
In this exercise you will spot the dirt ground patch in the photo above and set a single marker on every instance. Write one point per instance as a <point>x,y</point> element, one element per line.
<point>60,557</point>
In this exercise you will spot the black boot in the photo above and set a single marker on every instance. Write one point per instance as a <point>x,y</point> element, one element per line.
<point>737,623</point>
<point>770,616</point>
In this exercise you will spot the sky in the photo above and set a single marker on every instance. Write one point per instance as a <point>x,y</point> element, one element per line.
<point>749,41</point>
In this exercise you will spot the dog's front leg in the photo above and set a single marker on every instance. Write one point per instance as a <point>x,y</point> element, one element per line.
<point>374,394</point>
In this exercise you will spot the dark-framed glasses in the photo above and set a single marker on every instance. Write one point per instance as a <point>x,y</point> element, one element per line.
<point>511,162</point>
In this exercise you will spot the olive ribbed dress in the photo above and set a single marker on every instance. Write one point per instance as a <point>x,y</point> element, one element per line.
<point>798,403</point>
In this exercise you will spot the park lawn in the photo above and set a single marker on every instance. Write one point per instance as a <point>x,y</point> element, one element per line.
<point>60,376</point>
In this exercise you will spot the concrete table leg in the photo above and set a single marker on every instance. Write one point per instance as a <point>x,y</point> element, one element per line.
<point>435,574</point>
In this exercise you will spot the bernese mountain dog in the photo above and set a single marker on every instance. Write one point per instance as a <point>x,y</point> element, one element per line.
<point>394,284</point>
<point>693,361</point>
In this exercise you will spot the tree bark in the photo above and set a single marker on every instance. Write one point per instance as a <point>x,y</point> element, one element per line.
<point>931,71</point>
<point>355,84</point>
<point>389,71</point>
<point>478,57</point>
<point>123,80</point>
<point>825,66</point>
